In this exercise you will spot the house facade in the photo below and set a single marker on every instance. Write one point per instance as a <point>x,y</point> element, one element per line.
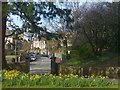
<point>39,46</point>
<point>11,43</point>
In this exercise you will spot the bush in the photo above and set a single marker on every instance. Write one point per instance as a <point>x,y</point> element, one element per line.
<point>82,51</point>
<point>9,52</point>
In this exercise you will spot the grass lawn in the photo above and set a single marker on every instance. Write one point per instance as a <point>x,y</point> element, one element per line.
<point>103,61</point>
<point>52,86</point>
<point>10,57</point>
<point>0,85</point>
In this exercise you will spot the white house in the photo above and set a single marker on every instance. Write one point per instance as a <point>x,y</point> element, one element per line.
<point>41,44</point>
<point>9,40</point>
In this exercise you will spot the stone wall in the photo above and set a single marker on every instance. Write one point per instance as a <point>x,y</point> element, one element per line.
<point>111,72</point>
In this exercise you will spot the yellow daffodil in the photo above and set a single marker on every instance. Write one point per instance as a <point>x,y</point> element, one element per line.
<point>50,75</point>
<point>60,74</point>
<point>60,77</point>
<point>82,77</point>
<point>103,77</point>
<point>76,76</point>
<point>106,76</point>
<point>93,79</point>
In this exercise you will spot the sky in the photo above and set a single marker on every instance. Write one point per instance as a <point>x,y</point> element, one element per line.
<point>17,20</point>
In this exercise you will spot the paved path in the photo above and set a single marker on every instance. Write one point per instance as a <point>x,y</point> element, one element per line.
<point>40,66</point>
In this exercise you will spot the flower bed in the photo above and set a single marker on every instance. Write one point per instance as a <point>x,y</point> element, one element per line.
<point>15,78</point>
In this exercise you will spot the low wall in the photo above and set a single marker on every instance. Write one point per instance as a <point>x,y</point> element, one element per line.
<point>111,72</point>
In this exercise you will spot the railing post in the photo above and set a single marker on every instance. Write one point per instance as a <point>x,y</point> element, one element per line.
<point>53,65</point>
<point>27,63</point>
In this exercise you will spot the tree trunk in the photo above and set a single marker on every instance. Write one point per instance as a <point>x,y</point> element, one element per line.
<point>90,42</point>
<point>1,35</point>
<point>4,18</point>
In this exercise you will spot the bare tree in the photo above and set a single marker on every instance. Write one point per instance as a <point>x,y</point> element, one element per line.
<point>94,23</point>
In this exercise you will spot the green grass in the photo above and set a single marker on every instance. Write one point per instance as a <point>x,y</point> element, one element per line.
<point>105,60</point>
<point>52,86</point>
<point>10,57</point>
<point>0,84</point>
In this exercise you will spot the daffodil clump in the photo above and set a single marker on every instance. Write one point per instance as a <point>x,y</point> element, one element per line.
<point>10,74</point>
<point>16,78</point>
